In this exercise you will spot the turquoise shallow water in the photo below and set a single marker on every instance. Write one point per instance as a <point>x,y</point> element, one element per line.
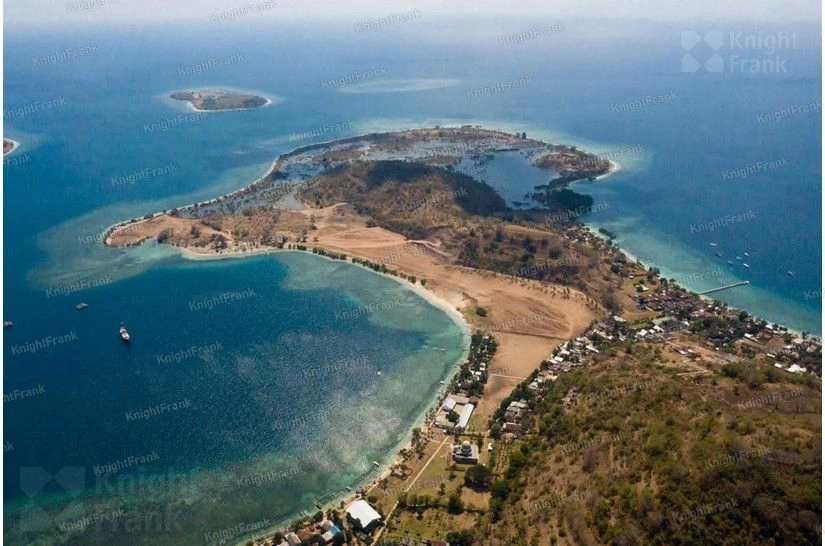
<point>223,459</point>
<point>239,396</point>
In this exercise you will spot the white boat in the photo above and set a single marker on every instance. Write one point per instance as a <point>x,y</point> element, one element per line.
<point>81,306</point>
<point>713,244</point>
<point>124,333</point>
<point>746,265</point>
<point>7,324</point>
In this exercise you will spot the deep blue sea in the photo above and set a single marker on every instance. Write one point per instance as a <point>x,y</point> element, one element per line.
<point>271,396</point>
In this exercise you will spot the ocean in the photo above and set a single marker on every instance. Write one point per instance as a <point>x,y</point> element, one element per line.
<point>251,388</point>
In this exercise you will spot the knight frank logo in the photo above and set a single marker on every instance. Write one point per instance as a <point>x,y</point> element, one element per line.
<point>690,43</point>
<point>35,479</point>
<point>737,51</point>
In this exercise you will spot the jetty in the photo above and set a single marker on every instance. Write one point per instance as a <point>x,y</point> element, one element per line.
<point>720,288</point>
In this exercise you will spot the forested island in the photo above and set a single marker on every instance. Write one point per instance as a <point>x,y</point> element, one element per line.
<point>209,100</point>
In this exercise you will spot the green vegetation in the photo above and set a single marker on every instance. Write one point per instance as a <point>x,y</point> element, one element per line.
<point>564,199</point>
<point>607,233</point>
<point>164,235</point>
<point>477,477</point>
<point>482,348</point>
<point>624,452</point>
<point>412,199</point>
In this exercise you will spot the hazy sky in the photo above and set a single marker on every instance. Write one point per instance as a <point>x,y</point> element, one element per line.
<point>767,11</point>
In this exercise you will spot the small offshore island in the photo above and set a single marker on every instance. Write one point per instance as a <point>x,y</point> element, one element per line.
<point>585,370</point>
<point>9,146</point>
<point>214,100</point>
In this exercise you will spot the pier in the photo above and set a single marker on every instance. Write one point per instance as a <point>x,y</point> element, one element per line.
<point>720,288</point>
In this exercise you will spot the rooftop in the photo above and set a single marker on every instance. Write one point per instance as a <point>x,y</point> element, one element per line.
<point>365,514</point>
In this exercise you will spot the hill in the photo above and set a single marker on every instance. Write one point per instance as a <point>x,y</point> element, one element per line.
<point>634,450</point>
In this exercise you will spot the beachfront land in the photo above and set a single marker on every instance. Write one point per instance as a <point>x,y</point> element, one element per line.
<point>594,392</point>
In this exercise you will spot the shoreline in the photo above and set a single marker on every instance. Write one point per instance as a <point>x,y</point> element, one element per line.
<point>166,97</point>
<point>194,108</point>
<point>405,443</point>
<point>424,291</point>
<point>705,298</point>
<point>613,169</point>
<point>14,145</point>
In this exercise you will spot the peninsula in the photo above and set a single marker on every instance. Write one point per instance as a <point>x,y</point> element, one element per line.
<point>586,369</point>
<point>214,100</point>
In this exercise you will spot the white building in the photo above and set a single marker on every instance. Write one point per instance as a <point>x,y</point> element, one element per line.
<point>363,514</point>
<point>464,418</point>
<point>466,453</point>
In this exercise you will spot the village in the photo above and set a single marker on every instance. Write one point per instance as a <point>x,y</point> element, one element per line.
<point>439,484</point>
